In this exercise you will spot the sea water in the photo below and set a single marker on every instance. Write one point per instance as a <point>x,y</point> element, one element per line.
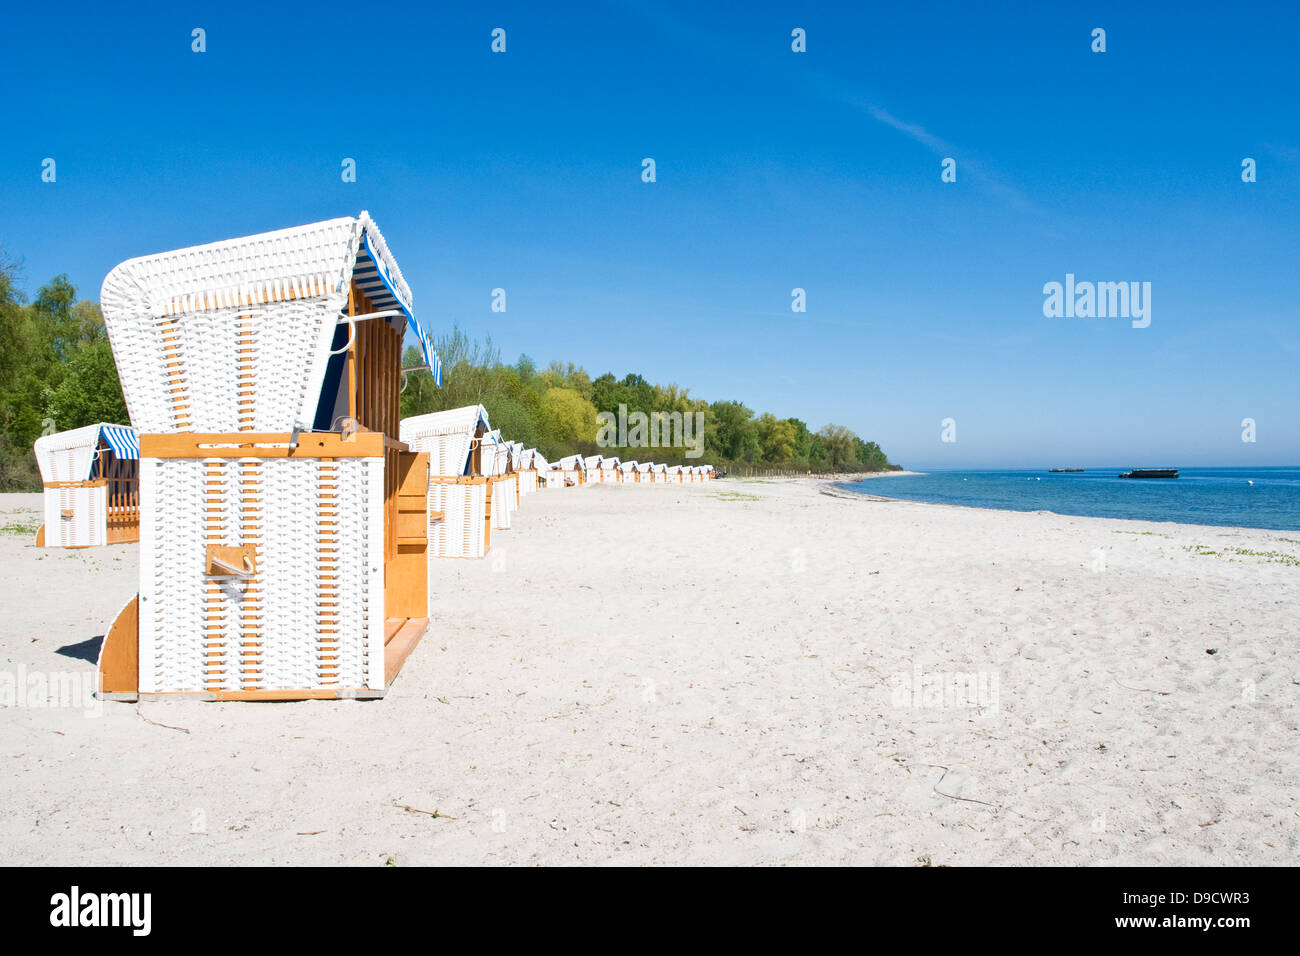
<point>1236,497</point>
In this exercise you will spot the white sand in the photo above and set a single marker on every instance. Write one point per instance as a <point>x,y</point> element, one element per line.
<point>707,674</point>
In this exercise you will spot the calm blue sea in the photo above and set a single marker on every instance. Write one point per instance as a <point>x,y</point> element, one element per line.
<point>1220,496</point>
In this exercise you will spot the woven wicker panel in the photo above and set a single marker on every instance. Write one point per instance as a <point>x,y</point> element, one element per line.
<point>348,617</point>
<point>447,453</point>
<point>253,368</point>
<point>460,534</point>
<point>215,275</point>
<point>53,512</point>
<point>67,456</point>
<point>443,542</point>
<point>305,619</point>
<point>503,503</point>
<point>455,421</point>
<point>76,517</point>
<point>370,574</point>
<point>290,570</point>
<point>174,635</point>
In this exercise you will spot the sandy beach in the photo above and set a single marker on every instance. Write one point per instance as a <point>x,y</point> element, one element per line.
<point>741,672</point>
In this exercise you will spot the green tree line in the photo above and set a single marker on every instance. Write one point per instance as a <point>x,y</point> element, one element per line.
<point>555,409</point>
<point>57,372</point>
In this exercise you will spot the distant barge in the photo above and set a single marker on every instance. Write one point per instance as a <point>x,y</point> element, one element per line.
<point>1055,471</point>
<point>1151,473</point>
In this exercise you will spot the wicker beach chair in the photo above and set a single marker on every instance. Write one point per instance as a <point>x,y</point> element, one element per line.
<point>501,482</point>
<point>574,468</point>
<point>91,484</point>
<point>531,463</point>
<point>282,524</point>
<point>461,464</point>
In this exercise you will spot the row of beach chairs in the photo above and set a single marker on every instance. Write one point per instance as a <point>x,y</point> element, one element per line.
<point>288,519</point>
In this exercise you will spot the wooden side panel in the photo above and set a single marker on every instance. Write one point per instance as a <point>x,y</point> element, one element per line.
<point>406,572</point>
<point>122,531</point>
<point>119,657</point>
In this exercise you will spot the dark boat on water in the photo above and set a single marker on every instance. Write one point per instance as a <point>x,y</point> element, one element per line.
<point>1055,471</point>
<point>1151,473</point>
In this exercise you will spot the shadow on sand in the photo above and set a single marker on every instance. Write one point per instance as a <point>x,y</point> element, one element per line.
<point>87,650</point>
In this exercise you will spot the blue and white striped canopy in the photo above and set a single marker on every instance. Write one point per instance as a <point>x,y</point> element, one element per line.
<point>122,439</point>
<point>372,277</point>
<point>430,356</point>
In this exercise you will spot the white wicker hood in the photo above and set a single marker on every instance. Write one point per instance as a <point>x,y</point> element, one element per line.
<point>190,328</point>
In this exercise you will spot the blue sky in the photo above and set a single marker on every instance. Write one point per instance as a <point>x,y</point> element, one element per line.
<point>775,170</point>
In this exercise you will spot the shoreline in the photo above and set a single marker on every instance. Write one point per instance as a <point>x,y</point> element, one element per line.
<point>864,496</point>
<point>826,476</point>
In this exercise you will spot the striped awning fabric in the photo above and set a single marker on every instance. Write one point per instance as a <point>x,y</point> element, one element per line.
<point>122,440</point>
<point>372,276</point>
<point>430,355</point>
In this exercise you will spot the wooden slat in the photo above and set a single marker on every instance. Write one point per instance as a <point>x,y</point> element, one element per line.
<point>318,694</point>
<point>352,357</point>
<point>345,693</point>
<point>202,303</point>
<point>261,445</point>
<point>459,479</point>
<point>411,524</point>
<point>399,648</point>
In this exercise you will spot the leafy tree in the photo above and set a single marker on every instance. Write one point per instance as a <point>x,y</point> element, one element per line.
<point>641,395</point>
<point>802,440</point>
<point>841,452</point>
<point>869,455</point>
<point>567,419</point>
<point>90,391</point>
<point>776,438</point>
<point>729,431</point>
<point>607,394</point>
